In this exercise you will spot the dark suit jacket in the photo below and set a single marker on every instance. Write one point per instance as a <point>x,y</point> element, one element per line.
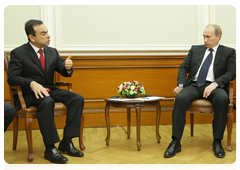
<point>25,67</point>
<point>224,68</point>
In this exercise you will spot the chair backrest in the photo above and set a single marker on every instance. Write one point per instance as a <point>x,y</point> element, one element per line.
<point>11,89</point>
<point>6,60</point>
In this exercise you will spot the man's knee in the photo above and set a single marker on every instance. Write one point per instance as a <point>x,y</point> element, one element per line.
<point>48,102</point>
<point>181,97</point>
<point>220,97</point>
<point>224,100</point>
<point>78,98</point>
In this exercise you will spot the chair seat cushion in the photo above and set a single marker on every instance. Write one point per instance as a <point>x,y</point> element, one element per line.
<point>201,106</point>
<point>58,107</point>
<point>201,103</point>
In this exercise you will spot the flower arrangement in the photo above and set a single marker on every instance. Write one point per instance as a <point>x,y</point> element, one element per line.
<point>131,89</point>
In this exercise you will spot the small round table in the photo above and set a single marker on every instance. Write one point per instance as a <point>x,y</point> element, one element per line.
<point>137,103</point>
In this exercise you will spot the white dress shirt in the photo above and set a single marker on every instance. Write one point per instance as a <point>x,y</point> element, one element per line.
<point>36,50</point>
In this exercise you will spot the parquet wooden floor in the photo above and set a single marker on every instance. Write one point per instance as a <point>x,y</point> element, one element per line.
<point>195,150</point>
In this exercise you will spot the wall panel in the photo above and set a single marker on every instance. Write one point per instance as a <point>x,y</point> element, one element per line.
<point>127,25</point>
<point>227,21</point>
<point>15,17</point>
<point>112,44</point>
<point>96,78</point>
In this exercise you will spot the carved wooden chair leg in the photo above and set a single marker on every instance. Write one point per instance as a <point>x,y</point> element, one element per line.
<point>15,132</point>
<point>28,127</point>
<point>192,123</point>
<point>229,129</point>
<point>82,147</point>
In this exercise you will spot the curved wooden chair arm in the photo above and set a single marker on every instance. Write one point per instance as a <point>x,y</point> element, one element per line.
<point>62,83</point>
<point>21,99</point>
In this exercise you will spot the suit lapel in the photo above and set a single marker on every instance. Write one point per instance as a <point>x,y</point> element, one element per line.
<point>32,54</point>
<point>47,58</point>
<point>217,57</point>
<point>201,54</point>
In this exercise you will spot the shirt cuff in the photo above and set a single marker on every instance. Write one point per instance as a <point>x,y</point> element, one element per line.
<point>216,84</point>
<point>180,85</point>
<point>69,71</point>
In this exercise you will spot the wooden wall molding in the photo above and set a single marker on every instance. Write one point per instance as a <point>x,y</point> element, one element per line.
<point>98,77</point>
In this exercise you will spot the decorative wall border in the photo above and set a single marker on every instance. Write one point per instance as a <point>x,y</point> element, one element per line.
<point>51,16</point>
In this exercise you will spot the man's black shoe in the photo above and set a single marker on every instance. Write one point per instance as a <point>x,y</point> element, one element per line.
<point>70,149</point>
<point>218,149</point>
<point>54,156</point>
<point>173,148</point>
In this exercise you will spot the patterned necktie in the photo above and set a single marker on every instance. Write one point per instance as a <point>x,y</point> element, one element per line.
<point>42,58</point>
<point>201,80</point>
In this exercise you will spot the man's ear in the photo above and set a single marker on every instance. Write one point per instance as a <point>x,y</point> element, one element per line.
<point>219,36</point>
<point>31,37</point>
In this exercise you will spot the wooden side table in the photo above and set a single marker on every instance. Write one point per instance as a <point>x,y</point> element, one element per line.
<point>137,103</point>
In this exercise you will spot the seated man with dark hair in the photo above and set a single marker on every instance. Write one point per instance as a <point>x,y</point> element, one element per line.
<point>210,67</point>
<point>33,66</point>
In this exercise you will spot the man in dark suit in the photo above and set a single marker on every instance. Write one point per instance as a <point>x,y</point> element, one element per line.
<point>32,66</point>
<point>210,67</point>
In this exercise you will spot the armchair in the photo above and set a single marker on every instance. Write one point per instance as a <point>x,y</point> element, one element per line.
<point>28,114</point>
<point>202,106</point>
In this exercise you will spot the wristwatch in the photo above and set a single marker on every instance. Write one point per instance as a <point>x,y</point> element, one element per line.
<point>180,85</point>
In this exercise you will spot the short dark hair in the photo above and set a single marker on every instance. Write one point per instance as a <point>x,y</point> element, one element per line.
<point>29,26</point>
<point>217,28</point>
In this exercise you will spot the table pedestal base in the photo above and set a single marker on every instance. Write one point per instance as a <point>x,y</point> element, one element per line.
<point>137,106</point>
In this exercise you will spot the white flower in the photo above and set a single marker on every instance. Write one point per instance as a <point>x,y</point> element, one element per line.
<point>120,87</point>
<point>132,87</point>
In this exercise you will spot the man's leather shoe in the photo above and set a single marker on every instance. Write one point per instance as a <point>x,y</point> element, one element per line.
<point>173,148</point>
<point>70,149</point>
<point>218,149</point>
<point>54,156</point>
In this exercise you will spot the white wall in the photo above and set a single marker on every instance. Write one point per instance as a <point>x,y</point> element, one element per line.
<point>225,16</point>
<point>119,29</point>
<point>14,33</point>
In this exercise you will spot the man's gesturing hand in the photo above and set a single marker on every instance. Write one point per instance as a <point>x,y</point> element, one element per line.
<point>68,62</point>
<point>38,89</point>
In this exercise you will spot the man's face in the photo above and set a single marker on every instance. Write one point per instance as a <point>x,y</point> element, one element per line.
<point>41,38</point>
<point>210,39</point>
